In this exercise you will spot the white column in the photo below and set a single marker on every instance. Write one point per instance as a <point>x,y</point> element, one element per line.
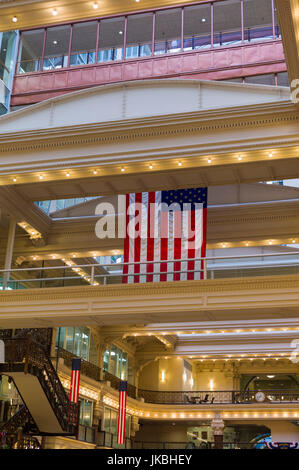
<point>9,250</point>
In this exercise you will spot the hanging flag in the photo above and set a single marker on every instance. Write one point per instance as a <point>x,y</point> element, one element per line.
<point>121,427</point>
<point>165,226</point>
<point>75,380</point>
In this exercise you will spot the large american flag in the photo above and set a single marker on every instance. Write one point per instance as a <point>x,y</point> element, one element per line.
<point>175,231</point>
<point>121,427</point>
<point>75,380</point>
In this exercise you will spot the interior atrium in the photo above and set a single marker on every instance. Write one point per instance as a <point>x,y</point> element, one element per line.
<point>102,100</point>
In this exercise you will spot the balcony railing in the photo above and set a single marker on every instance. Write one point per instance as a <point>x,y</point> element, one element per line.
<point>87,368</point>
<point>218,397</point>
<point>115,382</point>
<point>153,271</point>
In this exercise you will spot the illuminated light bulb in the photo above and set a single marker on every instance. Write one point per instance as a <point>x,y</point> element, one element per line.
<point>95,6</point>
<point>54,12</point>
<point>95,172</point>
<point>246,244</point>
<point>209,160</point>
<point>14,19</point>
<point>122,169</point>
<point>14,179</point>
<point>150,167</point>
<point>270,243</point>
<point>179,163</point>
<point>270,154</point>
<point>41,177</point>
<point>239,158</point>
<point>68,174</point>
<point>293,241</point>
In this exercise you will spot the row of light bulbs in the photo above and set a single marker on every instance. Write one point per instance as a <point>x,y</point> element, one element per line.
<point>235,357</point>
<point>55,11</point>
<point>123,168</point>
<point>217,332</point>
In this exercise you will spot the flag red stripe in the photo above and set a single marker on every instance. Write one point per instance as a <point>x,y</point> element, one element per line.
<point>137,244</point>
<point>150,239</point>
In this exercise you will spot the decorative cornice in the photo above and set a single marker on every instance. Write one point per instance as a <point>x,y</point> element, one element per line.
<point>153,127</point>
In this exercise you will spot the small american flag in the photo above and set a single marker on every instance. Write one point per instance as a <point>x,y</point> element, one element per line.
<point>121,427</point>
<point>75,380</point>
<point>165,226</point>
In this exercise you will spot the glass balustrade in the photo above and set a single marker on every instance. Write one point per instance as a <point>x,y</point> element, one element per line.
<point>196,27</point>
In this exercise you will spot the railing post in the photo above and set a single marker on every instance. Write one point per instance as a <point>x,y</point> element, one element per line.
<point>205,272</point>
<point>27,354</point>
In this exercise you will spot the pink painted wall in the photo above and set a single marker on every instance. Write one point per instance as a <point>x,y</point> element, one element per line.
<point>212,64</point>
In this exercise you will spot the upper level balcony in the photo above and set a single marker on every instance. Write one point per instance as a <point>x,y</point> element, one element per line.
<point>229,39</point>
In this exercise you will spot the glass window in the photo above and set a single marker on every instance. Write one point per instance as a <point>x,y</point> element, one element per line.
<point>283,79</point>
<point>31,49</point>
<point>168,31</point>
<point>276,24</point>
<point>139,35</point>
<point>111,421</point>
<point>227,23</point>
<point>197,27</point>
<point>111,40</point>
<point>265,79</point>
<point>57,47</point>
<point>75,340</point>
<point>86,410</point>
<point>7,53</point>
<point>257,20</point>
<point>84,40</point>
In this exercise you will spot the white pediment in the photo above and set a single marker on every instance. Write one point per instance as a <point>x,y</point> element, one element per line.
<point>137,100</point>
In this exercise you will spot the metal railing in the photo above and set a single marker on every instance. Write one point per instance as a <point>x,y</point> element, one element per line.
<point>35,360</point>
<point>107,439</point>
<point>217,397</point>
<point>87,368</point>
<point>153,271</point>
<point>115,382</point>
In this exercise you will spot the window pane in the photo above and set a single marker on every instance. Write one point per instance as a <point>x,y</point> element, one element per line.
<point>31,49</point>
<point>57,47</point>
<point>112,361</point>
<point>283,79</point>
<point>114,419</point>
<point>107,413</point>
<point>84,40</point>
<point>111,39</point>
<point>139,35</point>
<point>197,27</point>
<point>168,31</point>
<point>7,51</point>
<point>266,79</point>
<point>277,28</point>
<point>257,20</point>
<point>227,23</point>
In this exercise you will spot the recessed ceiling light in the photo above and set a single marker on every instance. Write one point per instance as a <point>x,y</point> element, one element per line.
<point>14,19</point>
